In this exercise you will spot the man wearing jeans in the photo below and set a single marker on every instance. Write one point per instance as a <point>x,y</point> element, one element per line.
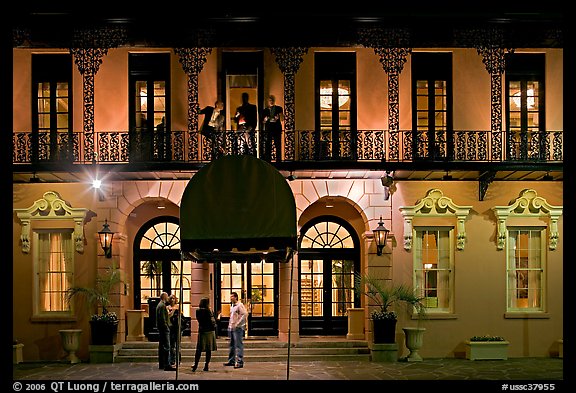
<point>236,326</point>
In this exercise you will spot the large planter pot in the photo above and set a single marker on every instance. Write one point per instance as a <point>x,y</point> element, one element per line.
<point>71,343</point>
<point>103,332</point>
<point>487,350</point>
<point>384,331</point>
<point>414,341</point>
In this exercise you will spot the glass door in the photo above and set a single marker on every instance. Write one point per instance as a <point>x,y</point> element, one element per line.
<point>255,284</point>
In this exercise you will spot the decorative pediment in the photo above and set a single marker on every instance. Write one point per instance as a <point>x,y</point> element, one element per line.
<point>528,204</point>
<point>51,207</point>
<point>435,204</point>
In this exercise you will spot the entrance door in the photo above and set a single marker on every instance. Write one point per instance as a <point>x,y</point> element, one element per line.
<point>256,285</point>
<point>158,267</point>
<point>328,259</point>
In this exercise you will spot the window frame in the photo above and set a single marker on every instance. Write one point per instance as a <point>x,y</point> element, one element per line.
<point>417,266</point>
<point>543,268</point>
<point>37,312</point>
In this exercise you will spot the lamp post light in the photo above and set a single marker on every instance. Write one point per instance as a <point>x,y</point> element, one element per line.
<point>106,236</point>
<point>380,234</point>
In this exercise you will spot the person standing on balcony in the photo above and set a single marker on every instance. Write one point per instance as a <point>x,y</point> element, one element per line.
<point>246,118</point>
<point>212,125</point>
<point>273,116</point>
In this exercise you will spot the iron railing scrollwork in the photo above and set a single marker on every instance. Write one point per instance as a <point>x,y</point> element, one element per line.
<point>299,145</point>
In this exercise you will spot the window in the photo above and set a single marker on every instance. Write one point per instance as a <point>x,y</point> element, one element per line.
<point>525,269</point>
<point>54,268</point>
<point>525,106</point>
<point>432,100</point>
<point>336,104</point>
<point>150,106</point>
<point>433,267</point>
<point>52,107</point>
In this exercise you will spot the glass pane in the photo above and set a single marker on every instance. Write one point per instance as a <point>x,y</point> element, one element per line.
<point>533,103</point>
<point>306,267</point>
<point>422,87</point>
<point>440,87</point>
<point>62,104</point>
<point>62,121</point>
<point>268,282</point>
<point>344,87</point>
<point>159,88</point>
<point>256,280</point>
<point>236,282</point>
<point>256,268</point>
<point>141,118</point>
<point>440,103</point>
<point>326,87</point>
<point>422,103</point>
<point>44,89</point>
<point>268,267</point>
<point>326,118</point>
<point>532,87</point>
<point>141,96</point>
<point>317,281</point>
<point>225,281</point>
<point>344,118</point>
<point>43,105</point>
<point>44,121</point>
<point>344,103</point>
<point>225,268</point>
<point>532,119</point>
<point>515,119</point>
<point>62,89</point>
<point>440,119</point>
<point>515,103</point>
<point>160,104</point>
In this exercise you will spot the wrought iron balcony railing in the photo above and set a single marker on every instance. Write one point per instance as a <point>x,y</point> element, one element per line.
<point>116,147</point>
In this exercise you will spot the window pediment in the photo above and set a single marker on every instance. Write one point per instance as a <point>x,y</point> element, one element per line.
<point>528,204</point>
<point>435,204</point>
<point>51,207</point>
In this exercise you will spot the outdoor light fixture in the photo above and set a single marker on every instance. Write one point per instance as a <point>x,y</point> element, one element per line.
<point>106,236</point>
<point>380,234</point>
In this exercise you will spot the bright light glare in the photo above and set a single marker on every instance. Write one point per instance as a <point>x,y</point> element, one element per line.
<point>96,183</point>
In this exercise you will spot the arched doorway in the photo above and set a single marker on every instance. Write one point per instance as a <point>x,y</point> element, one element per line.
<point>156,264</point>
<point>328,257</point>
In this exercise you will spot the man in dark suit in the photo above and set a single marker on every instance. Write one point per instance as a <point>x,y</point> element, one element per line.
<point>212,125</point>
<point>273,116</point>
<point>247,119</point>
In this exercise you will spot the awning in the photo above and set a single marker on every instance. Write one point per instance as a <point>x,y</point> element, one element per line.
<point>238,208</point>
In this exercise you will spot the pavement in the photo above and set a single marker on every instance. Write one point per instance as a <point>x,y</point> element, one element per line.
<point>542,373</point>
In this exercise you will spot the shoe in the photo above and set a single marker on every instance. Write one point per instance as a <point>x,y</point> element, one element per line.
<point>169,368</point>
<point>205,368</point>
<point>239,365</point>
<point>194,367</point>
<point>229,364</point>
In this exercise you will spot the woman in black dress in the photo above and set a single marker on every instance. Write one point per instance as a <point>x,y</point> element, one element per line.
<point>206,333</point>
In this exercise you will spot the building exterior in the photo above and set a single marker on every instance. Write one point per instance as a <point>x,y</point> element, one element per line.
<point>450,136</point>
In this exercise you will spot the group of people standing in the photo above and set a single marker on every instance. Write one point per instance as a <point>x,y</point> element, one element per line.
<point>167,315</point>
<point>246,119</point>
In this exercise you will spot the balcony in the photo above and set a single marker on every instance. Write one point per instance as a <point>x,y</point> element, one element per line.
<point>301,148</point>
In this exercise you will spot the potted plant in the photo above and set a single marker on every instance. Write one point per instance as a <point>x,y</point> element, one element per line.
<point>487,347</point>
<point>386,296</point>
<point>104,324</point>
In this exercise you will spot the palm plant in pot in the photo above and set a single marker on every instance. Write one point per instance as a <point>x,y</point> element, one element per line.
<point>103,323</point>
<point>386,297</point>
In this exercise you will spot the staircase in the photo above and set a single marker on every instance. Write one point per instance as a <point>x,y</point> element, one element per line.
<point>258,350</point>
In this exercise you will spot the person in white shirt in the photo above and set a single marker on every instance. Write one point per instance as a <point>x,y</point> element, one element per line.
<point>236,327</point>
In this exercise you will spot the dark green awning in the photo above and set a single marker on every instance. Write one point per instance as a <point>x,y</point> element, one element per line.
<point>238,208</point>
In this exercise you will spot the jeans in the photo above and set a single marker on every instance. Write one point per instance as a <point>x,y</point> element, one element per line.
<point>164,348</point>
<point>236,352</point>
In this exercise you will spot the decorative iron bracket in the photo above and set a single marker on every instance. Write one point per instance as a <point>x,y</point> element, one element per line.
<point>483,182</point>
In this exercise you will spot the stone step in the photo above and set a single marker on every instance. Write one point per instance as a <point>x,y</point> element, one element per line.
<point>258,350</point>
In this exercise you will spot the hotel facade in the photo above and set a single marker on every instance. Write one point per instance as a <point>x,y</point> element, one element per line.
<point>450,137</point>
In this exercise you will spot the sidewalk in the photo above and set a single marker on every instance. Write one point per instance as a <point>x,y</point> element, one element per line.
<point>549,370</point>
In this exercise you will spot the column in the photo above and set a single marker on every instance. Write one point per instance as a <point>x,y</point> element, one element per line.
<point>199,288</point>
<point>288,291</point>
<point>289,60</point>
<point>88,48</point>
<point>192,61</point>
<point>393,48</point>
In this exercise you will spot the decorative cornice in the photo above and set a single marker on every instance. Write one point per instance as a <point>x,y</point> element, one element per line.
<point>435,204</point>
<point>528,204</point>
<point>51,207</point>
